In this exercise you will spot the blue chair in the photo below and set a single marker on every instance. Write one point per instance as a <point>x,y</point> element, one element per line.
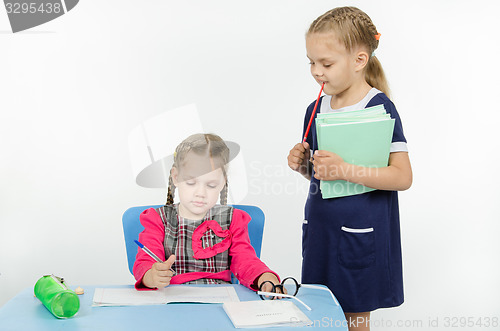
<point>132,227</point>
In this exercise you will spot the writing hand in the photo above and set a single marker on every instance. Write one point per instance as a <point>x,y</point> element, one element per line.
<point>160,274</point>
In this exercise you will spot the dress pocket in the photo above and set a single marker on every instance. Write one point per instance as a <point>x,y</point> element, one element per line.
<point>356,248</point>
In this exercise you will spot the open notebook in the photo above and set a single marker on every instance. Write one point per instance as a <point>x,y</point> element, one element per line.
<point>362,137</point>
<point>170,294</point>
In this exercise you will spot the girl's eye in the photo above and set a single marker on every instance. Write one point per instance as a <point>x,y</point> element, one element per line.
<point>311,63</point>
<point>327,65</point>
<point>212,185</point>
<point>190,183</point>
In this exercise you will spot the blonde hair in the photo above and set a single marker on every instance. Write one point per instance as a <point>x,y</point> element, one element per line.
<point>207,144</point>
<point>354,28</point>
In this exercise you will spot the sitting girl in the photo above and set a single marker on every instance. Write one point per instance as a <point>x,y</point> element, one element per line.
<point>203,241</point>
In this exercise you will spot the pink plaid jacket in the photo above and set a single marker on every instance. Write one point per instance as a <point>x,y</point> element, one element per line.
<point>206,250</point>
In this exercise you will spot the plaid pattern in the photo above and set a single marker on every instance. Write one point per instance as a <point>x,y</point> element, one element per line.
<point>178,240</point>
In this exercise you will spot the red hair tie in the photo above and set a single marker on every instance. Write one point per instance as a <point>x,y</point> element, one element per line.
<point>377,36</point>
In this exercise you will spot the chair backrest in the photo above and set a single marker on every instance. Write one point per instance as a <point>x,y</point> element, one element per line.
<point>132,227</point>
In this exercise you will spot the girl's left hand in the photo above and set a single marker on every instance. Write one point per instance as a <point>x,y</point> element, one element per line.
<point>267,277</point>
<point>328,166</point>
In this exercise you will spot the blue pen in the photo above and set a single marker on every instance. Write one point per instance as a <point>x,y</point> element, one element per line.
<point>156,258</point>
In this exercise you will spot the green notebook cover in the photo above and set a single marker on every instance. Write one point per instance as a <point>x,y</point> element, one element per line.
<point>363,143</point>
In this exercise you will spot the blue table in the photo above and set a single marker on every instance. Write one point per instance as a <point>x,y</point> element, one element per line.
<point>26,312</point>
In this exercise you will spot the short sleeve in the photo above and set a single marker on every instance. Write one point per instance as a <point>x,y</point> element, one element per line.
<point>398,138</point>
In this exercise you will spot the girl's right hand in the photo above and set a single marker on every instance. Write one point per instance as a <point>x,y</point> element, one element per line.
<point>160,274</point>
<point>298,158</point>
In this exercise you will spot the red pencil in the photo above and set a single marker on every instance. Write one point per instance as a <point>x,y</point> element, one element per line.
<point>314,112</point>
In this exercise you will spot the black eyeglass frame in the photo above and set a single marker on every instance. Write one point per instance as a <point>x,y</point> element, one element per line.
<point>280,287</point>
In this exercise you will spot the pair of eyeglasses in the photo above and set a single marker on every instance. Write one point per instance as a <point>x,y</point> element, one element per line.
<point>289,288</point>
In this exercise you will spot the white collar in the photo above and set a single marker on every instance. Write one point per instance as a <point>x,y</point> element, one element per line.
<point>326,108</point>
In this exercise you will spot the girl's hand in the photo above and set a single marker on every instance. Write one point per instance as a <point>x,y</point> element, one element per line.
<point>397,176</point>
<point>328,166</point>
<point>298,158</point>
<point>160,274</point>
<point>264,280</point>
<point>267,277</point>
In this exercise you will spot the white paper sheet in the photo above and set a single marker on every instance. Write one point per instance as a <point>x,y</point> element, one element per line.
<point>267,313</point>
<point>170,294</point>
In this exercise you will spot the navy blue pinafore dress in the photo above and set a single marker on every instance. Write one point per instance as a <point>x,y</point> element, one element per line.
<point>352,244</point>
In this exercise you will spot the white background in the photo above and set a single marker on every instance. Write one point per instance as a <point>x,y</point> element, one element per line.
<point>72,90</point>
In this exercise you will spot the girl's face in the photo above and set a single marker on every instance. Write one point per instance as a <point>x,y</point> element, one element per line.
<point>199,186</point>
<point>332,64</point>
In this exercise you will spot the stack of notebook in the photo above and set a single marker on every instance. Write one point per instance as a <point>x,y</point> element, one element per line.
<point>362,137</point>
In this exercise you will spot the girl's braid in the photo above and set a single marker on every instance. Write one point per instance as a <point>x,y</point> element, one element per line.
<point>223,195</point>
<point>171,191</point>
<point>362,30</point>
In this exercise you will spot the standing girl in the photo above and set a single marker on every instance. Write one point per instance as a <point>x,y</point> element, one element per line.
<point>351,244</point>
<point>205,241</point>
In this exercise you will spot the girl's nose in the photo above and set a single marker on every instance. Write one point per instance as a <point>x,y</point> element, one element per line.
<point>316,72</point>
<point>200,191</point>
